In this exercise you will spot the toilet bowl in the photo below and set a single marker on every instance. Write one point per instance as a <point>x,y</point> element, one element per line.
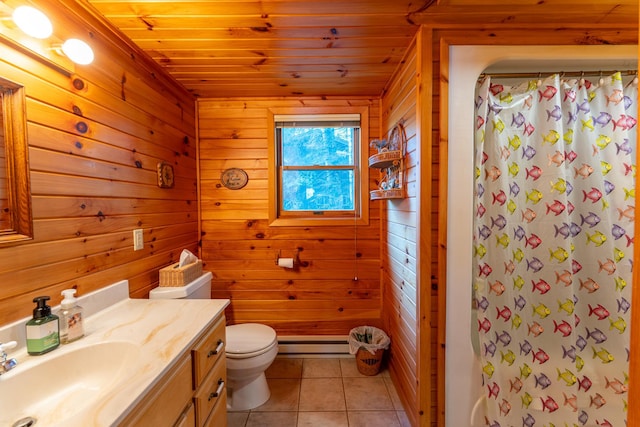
<point>250,350</point>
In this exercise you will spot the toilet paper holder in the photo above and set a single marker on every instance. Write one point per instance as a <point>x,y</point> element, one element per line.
<point>288,262</point>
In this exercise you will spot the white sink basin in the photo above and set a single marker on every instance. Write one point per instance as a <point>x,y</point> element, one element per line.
<point>54,387</point>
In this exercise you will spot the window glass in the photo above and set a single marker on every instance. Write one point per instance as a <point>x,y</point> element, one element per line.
<point>315,146</point>
<point>318,165</point>
<point>318,190</point>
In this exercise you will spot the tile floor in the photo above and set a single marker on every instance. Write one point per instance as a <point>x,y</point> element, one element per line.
<point>324,393</point>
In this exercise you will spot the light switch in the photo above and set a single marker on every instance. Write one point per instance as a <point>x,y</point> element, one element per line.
<point>138,239</point>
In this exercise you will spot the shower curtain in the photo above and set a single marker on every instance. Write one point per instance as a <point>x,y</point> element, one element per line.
<point>553,245</point>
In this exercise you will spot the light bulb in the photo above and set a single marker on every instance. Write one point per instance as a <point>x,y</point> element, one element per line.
<point>32,22</point>
<point>78,51</point>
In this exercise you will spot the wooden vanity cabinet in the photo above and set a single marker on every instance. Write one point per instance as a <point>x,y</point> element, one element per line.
<point>194,392</point>
<point>167,400</point>
<point>188,417</point>
<point>210,377</point>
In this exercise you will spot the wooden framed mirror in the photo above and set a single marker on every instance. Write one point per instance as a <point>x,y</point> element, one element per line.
<point>16,222</point>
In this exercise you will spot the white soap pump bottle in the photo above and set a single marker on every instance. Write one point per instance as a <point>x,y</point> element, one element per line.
<point>71,320</point>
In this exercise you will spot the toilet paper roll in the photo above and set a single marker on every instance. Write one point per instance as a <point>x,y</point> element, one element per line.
<point>285,262</point>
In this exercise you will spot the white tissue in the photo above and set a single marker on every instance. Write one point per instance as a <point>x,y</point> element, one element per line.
<point>187,258</point>
<point>285,262</point>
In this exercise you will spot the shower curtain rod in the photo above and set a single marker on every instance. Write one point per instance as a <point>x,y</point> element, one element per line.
<point>562,74</point>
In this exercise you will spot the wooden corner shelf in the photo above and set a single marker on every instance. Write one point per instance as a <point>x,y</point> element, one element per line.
<point>390,161</point>
<point>385,159</point>
<point>394,193</point>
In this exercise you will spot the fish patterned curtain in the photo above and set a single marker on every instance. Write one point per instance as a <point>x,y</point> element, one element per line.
<point>553,246</point>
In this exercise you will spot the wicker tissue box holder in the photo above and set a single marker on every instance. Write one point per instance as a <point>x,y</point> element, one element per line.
<point>173,275</point>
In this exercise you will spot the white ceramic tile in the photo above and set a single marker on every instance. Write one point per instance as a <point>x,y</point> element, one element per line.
<point>322,394</point>
<point>373,419</point>
<point>393,394</point>
<point>272,419</point>
<point>285,368</point>
<point>285,393</point>
<point>366,394</point>
<point>323,419</point>
<point>237,419</point>
<point>321,368</point>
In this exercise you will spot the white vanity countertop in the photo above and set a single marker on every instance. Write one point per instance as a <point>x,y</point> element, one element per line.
<point>164,330</point>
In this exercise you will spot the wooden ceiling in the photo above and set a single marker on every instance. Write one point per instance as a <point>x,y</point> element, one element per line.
<point>273,48</point>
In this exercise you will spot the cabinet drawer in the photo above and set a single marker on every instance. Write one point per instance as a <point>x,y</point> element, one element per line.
<point>212,391</point>
<point>188,417</point>
<point>167,400</point>
<point>218,417</point>
<point>208,351</point>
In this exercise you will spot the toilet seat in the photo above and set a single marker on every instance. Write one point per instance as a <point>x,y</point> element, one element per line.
<point>249,340</point>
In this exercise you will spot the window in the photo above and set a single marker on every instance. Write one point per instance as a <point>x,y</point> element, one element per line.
<point>317,163</point>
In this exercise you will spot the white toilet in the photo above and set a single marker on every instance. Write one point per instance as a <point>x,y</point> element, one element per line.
<point>250,349</point>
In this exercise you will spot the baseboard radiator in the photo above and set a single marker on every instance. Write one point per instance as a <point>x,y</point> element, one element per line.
<point>313,346</point>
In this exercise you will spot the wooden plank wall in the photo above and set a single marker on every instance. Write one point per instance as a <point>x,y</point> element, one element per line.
<point>95,137</point>
<point>399,240</point>
<point>5,220</point>
<point>240,248</point>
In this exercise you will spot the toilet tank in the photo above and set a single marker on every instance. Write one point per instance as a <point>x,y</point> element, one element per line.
<point>198,289</point>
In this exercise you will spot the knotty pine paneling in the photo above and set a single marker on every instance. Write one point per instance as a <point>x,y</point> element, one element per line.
<point>5,219</point>
<point>322,296</point>
<point>271,48</point>
<point>558,14</point>
<point>320,48</point>
<point>95,137</point>
<point>399,241</point>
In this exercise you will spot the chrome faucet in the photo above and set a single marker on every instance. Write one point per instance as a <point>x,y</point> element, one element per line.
<point>7,365</point>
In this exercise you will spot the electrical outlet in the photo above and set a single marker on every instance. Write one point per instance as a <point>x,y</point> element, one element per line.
<point>138,239</point>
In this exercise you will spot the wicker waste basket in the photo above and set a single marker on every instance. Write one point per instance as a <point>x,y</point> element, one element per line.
<point>367,363</point>
<point>368,344</point>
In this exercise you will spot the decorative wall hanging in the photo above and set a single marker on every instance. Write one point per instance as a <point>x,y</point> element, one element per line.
<point>390,161</point>
<point>165,175</point>
<point>234,178</point>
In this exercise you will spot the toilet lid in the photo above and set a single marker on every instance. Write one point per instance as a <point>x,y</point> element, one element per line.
<point>248,338</point>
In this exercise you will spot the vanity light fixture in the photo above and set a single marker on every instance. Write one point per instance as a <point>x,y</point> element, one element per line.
<point>36,24</point>
<point>32,22</point>
<point>78,51</point>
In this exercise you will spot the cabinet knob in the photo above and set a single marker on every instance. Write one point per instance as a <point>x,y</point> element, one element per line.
<point>218,391</point>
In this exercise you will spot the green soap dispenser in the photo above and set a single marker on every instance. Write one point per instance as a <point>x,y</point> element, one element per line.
<point>43,331</point>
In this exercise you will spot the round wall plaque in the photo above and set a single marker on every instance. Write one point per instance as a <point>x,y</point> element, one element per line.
<point>234,178</point>
<point>166,177</point>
